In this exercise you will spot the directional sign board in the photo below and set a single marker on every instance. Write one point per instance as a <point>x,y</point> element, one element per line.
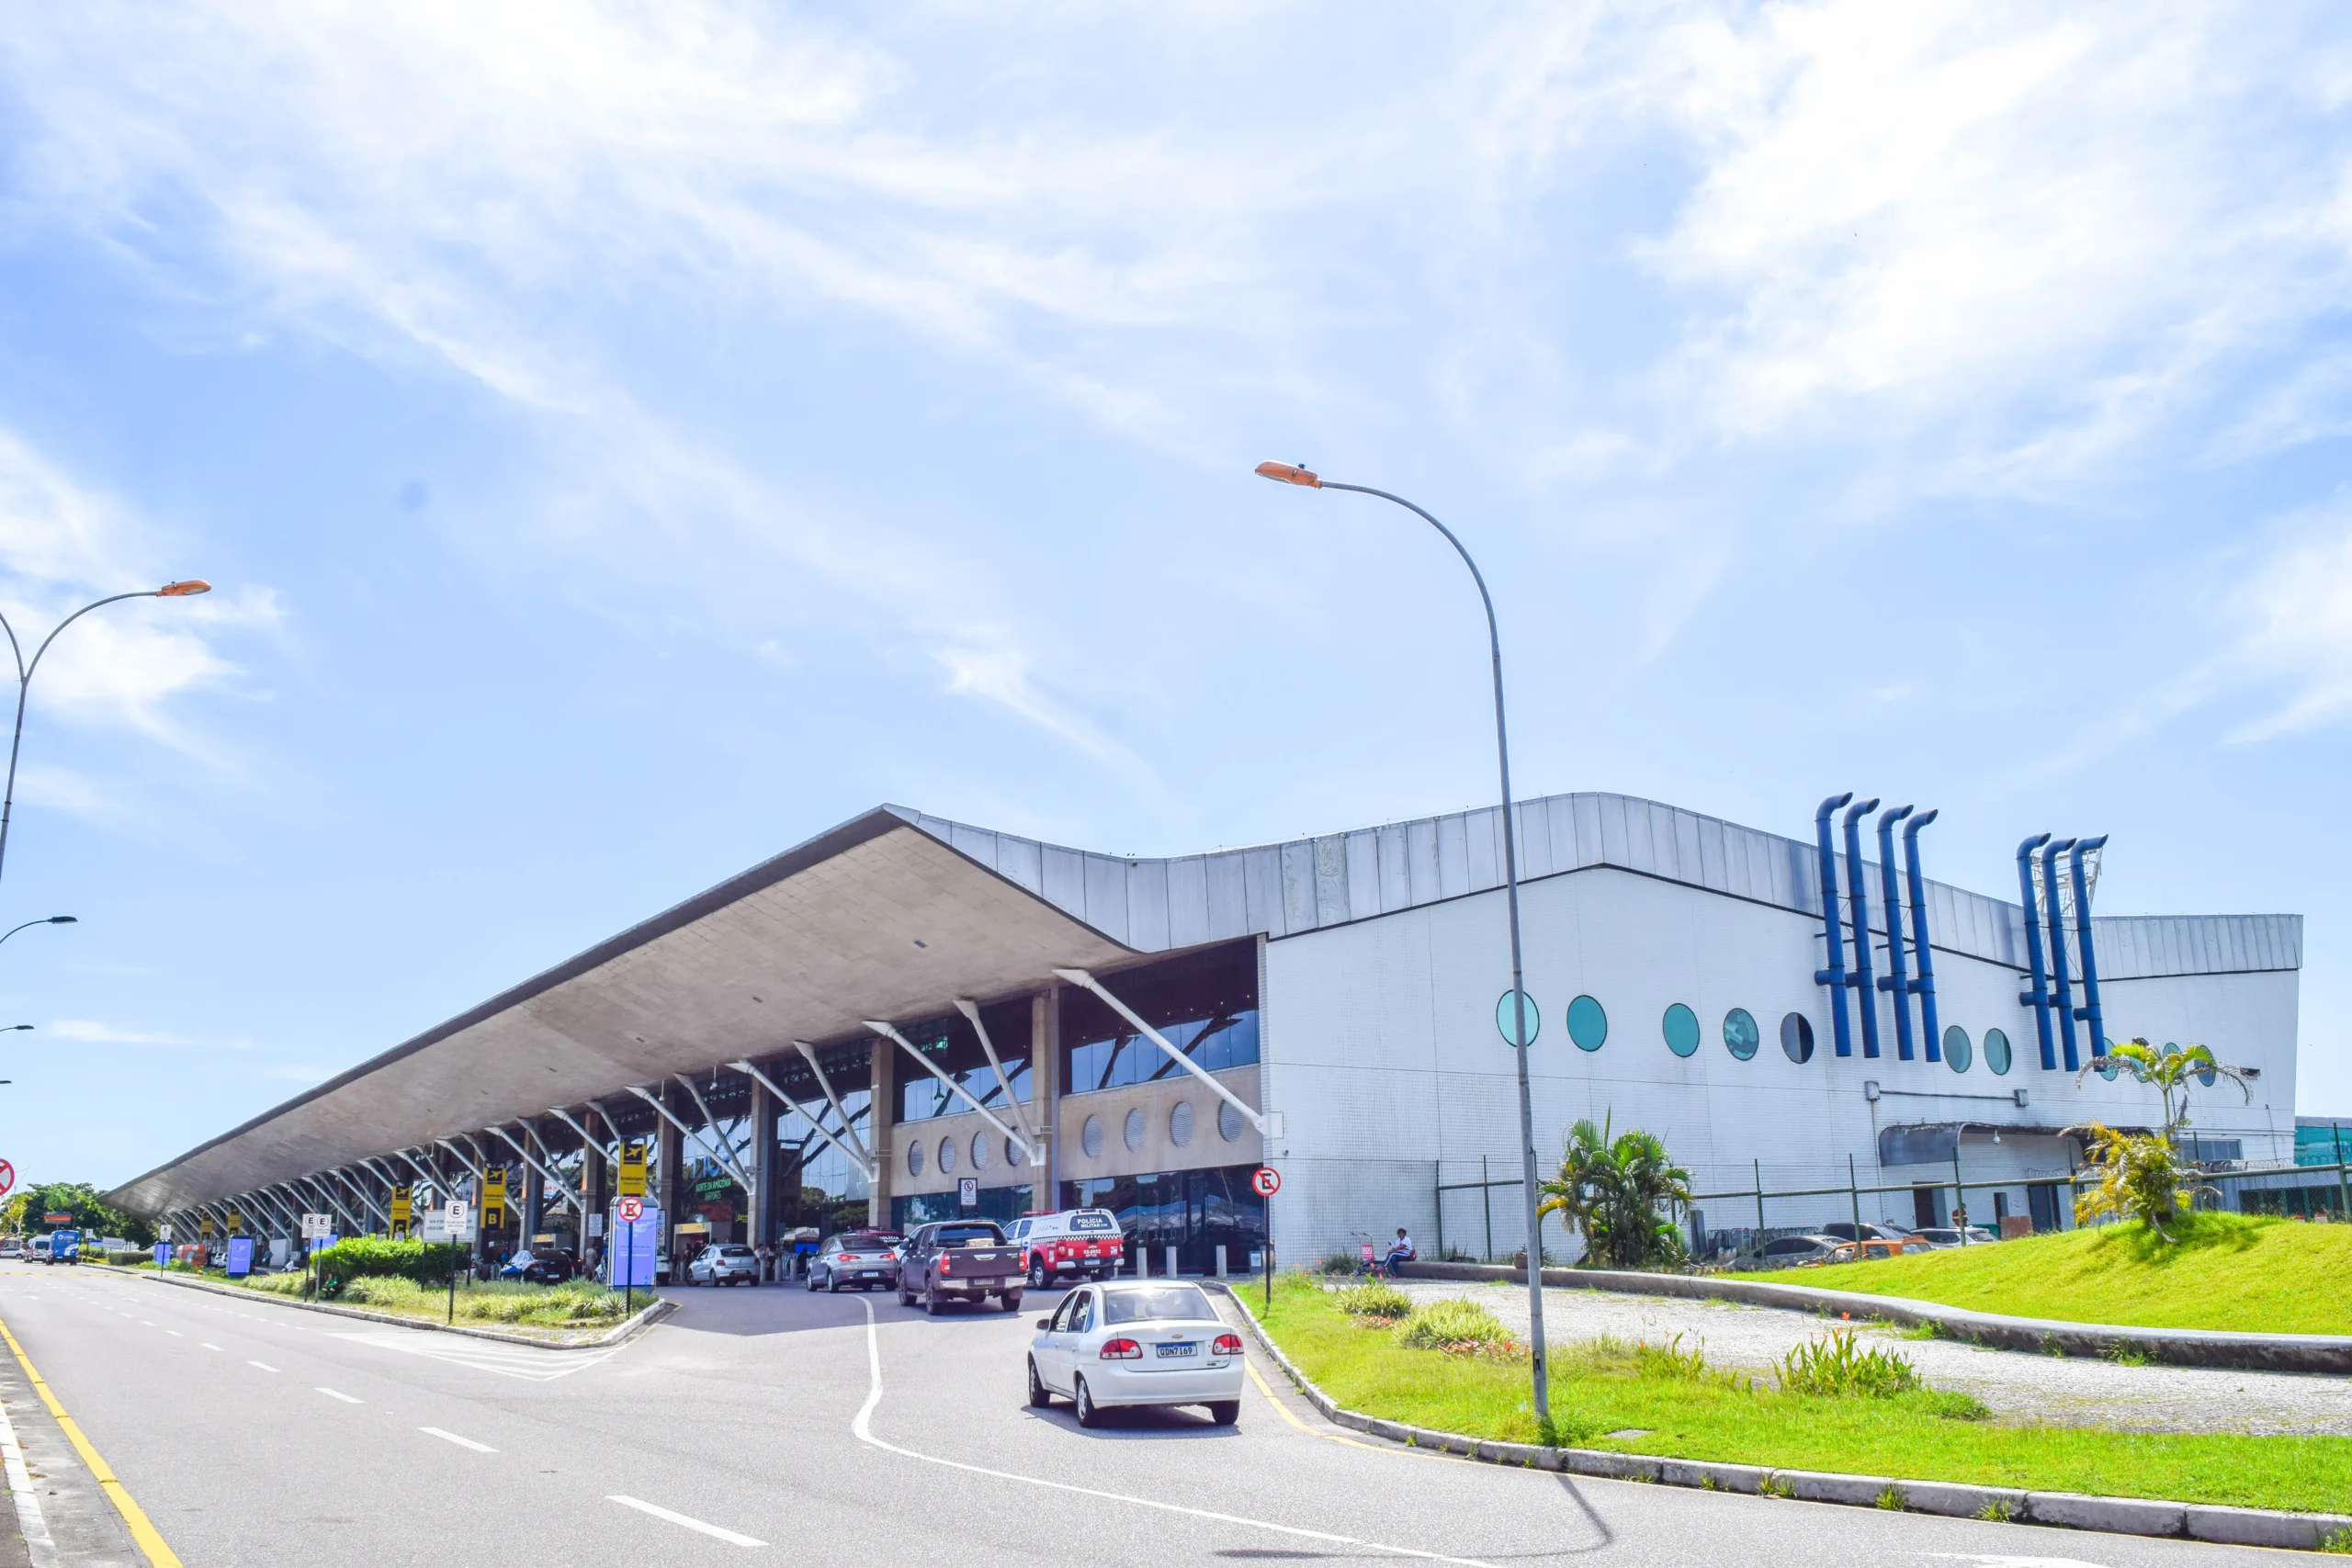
<point>493,1201</point>
<point>629,1173</point>
<point>1265,1182</point>
<point>315,1227</point>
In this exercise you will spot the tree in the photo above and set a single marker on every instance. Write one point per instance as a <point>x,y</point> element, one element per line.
<point>1611,1191</point>
<point>2145,1176</point>
<point>91,1214</point>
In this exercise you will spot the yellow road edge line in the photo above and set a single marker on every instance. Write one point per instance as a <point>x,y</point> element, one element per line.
<point>1291,1415</point>
<point>142,1529</point>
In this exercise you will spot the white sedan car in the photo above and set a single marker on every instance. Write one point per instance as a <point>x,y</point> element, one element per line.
<point>1127,1342</point>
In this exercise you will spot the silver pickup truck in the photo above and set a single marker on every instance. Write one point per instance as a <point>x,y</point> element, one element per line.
<point>966,1261</point>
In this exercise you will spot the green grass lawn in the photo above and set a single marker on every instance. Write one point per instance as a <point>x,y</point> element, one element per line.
<point>578,1304</point>
<point>2230,1271</point>
<point>1612,1388</point>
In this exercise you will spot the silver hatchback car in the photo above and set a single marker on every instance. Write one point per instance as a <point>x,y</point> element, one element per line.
<point>859,1262</point>
<point>729,1263</point>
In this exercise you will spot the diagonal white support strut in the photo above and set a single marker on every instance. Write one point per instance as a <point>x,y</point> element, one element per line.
<point>849,1128</point>
<point>889,1032</point>
<point>1032,1140</point>
<point>1081,978</point>
<point>589,1138</point>
<point>546,1175</point>
<point>712,1143</point>
<point>857,1157</point>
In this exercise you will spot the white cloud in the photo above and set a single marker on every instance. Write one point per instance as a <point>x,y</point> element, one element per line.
<point>88,1031</point>
<point>2296,607</point>
<point>1000,674</point>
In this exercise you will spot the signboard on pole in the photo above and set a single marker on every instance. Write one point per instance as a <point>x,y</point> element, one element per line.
<point>630,1210</point>
<point>163,1253</point>
<point>493,1201</point>
<point>404,1210</point>
<point>628,1173</point>
<point>315,1227</point>
<point>456,1216</point>
<point>7,1178</point>
<point>163,1233</point>
<point>436,1225</point>
<point>241,1256</point>
<point>967,1194</point>
<point>636,1246</point>
<point>204,1227</point>
<point>1265,1182</point>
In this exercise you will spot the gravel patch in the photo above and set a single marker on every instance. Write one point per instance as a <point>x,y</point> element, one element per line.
<point>2059,1390</point>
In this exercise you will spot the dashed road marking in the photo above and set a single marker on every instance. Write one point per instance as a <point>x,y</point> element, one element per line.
<point>264,1366</point>
<point>332,1394</point>
<point>461,1442</point>
<point>677,1518</point>
<point>208,1345</point>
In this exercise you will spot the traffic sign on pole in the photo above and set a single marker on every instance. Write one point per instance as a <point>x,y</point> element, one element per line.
<point>315,1227</point>
<point>631,1210</point>
<point>1265,1182</point>
<point>7,1178</point>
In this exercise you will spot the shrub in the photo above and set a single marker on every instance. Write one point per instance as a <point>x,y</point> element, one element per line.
<point>1375,1300</point>
<point>1671,1361</point>
<point>1837,1366</point>
<point>1463,1328</point>
<point>365,1258</point>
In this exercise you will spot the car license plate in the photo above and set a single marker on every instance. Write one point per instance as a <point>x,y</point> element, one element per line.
<point>1190,1348</point>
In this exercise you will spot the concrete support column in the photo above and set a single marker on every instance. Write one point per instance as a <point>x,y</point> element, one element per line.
<point>592,1184</point>
<point>881,1121</point>
<point>535,1199</point>
<point>668,1185</point>
<point>1046,1091</point>
<point>761,1231</point>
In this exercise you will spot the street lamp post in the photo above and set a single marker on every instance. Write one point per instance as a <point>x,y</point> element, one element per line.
<point>24,679</point>
<point>45,920</point>
<point>1286,473</point>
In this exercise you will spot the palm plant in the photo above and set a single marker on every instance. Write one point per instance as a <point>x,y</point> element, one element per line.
<point>2144,1175</point>
<point>1609,1190</point>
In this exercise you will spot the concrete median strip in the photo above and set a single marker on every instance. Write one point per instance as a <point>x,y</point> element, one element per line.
<point>2040,1336</point>
<point>2115,1515</point>
<point>627,1329</point>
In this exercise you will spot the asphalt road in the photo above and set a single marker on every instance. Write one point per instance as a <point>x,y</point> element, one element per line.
<point>771,1423</point>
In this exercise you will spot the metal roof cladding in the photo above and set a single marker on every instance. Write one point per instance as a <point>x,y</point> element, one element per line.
<point>894,912</point>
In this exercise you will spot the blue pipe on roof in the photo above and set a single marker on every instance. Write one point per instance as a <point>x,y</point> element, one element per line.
<point>2037,998</point>
<point>1930,1042</point>
<point>1893,981</point>
<point>1835,975</point>
<point>1858,893</point>
<point>2061,997</point>
<point>2088,1012</point>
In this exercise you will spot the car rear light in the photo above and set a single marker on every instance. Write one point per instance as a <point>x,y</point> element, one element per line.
<point>846,1258</point>
<point>1227,1345</point>
<point>1122,1351</point>
<point>944,1261</point>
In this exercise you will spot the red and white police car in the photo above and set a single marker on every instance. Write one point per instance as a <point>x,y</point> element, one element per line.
<point>1081,1244</point>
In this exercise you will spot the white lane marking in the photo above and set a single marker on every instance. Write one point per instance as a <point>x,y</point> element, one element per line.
<point>331,1394</point>
<point>144,1324</point>
<point>264,1366</point>
<point>207,1344</point>
<point>175,1334</point>
<point>461,1442</point>
<point>862,1428</point>
<point>677,1518</point>
<point>39,1546</point>
<point>506,1360</point>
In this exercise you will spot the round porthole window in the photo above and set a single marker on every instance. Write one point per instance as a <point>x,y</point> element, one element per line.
<point>1587,1023</point>
<point>1135,1132</point>
<point>979,1151</point>
<point>1012,1155</point>
<point>1180,1123</point>
<point>1740,1034</point>
<point>914,1159</point>
<point>1796,1038</point>
<point>1957,1052</point>
<point>1089,1137</point>
<point>1996,1051</point>
<point>946,1156</point>
<point>1680,1026</point>
<point>1228,1123</point>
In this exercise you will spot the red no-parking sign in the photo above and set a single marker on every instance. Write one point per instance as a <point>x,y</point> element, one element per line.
<point>631,1210</point>
<point>1265,1182</point>
<point>7,1178</point>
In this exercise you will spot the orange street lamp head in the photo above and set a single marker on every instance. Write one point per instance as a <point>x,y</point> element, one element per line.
<point>183,590</point>
<point>1291,474</point>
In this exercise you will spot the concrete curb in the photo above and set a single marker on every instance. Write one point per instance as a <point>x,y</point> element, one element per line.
<point>619,1333</point>
<point>2178,1347</point>
<point>1951,1499</point>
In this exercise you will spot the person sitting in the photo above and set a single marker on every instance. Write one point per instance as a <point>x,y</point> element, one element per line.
<point>1401,1251</point>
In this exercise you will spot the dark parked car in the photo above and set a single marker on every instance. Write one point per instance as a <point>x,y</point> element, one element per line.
<point>966,1261</point>
<point>538,1268</point>
<point>1844,1231</point>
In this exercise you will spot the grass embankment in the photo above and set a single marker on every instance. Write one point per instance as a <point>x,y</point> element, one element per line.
<point>579,1304</point>
<point>2228,1272</point>
<point>1685,1409</point>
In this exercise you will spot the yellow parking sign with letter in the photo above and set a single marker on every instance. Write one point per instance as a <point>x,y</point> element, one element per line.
<point>493,1201</point>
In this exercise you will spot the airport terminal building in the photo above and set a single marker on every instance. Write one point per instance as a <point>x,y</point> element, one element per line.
<point>908,1018</point>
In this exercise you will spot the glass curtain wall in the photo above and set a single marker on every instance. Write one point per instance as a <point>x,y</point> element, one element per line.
<point>1193,1211</point>
<point>1205,1003</point>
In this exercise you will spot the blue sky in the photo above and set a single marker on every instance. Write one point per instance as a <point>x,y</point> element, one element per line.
<point>628,441</point>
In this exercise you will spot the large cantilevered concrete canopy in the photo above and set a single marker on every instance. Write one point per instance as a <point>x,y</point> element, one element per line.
<point>878,918</point>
